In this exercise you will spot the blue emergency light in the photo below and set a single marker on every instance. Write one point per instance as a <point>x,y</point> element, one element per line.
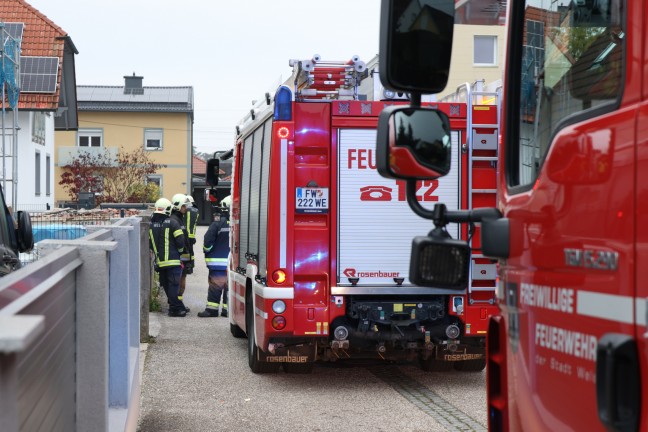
<point>283,104</point>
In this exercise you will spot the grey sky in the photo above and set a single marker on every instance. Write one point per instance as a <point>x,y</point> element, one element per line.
<point>231,51</point>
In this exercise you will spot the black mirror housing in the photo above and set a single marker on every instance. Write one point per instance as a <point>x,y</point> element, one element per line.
<point>413,143</point>
<point>416,44</point>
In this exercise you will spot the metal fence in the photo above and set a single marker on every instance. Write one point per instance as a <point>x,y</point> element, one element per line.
<point>66,223</point>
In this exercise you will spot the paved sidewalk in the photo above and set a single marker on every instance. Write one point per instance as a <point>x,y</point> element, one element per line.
<point>171,395</point>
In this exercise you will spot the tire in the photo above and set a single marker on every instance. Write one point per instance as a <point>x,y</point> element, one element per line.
<point>433,365</point>
<point>236,331</point>
<point>298,368</point>
<point>470,365</point>
<point>257,366</point>
<point>24,233</point>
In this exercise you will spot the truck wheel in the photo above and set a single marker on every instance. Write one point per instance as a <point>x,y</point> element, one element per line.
<point>236,331</point>
<point>470,365</point>
<point>298,368</point>
<point>433,365</point>
<point>256,365</point>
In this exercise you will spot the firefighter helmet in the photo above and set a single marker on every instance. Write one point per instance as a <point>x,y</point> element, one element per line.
<point>226,202</point>
<point>163,206</point>
<point>178,201</point>
<point>190,200</point>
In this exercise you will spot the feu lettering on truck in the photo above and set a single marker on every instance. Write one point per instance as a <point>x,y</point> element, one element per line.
<point>361,158</point>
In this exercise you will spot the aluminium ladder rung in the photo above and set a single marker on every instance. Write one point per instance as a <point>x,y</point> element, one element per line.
<point>480,288</point>
<point>484,126</point>
<point>485,158</point>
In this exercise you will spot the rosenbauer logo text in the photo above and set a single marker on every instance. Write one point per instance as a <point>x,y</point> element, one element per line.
<point>351,272</point>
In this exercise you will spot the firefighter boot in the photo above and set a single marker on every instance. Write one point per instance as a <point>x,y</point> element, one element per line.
<point>224,311</point>
<point>208,313</point>
<point>177,313</point>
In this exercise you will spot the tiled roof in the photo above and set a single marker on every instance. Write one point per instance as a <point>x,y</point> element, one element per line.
<point>41,37</point>
<point>112,98</point>
<point>199,166</point>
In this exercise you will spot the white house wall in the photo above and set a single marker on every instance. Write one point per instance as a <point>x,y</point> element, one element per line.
<point>27,197</point>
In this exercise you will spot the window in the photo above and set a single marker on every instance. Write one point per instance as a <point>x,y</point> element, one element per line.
<point>153,139</point>
<point>157,179</point>
<point>90,138</point>
<point>566,73</point>
<point>37,170</point>
<point>48,172</point>
<point>485,51</point>
<point>38,128</point>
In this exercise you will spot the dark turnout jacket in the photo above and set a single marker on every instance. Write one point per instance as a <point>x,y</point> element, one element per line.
<point>166,240</point>
<point>216,244</point>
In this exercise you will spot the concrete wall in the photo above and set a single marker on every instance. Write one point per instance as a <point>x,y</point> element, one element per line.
<point>70,332</point>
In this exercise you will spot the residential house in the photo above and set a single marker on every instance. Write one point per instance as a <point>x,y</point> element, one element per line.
<point>477,55</point>
<point>46,102</point>
<point>132,116</point>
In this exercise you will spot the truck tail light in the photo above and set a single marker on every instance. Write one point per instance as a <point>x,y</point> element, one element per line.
<point>278,323</point>
<point>279,276</point>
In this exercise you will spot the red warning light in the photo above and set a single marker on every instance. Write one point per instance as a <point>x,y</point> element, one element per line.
<point>283,132</point>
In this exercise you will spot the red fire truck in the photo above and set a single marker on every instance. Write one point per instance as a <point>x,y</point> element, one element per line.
<point>568,350</point>
<point>319,264</point>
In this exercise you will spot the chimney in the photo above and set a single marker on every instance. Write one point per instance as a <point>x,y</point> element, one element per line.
<point>133,84</point>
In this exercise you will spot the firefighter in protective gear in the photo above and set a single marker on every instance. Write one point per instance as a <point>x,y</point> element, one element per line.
<point>216,248</point>
<point>191,223</point>
<point>179,208</point>
<point>167,242</point>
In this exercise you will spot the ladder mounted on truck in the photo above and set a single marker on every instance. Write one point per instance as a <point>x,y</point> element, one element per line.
<point>316,80</point>
<point>482,144</point>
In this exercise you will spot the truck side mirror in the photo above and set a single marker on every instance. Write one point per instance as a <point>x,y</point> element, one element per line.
<point>413,143</point>
<point>212,173</point>
<point>416,44</point>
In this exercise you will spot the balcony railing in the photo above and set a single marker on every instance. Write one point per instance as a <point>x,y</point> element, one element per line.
<point>67,154</point>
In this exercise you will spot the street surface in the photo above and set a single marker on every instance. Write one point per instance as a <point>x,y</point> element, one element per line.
<point>196,378</point>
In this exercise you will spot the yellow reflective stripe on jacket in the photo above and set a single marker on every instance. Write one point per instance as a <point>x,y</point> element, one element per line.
<point>153,243</point>
<point>166,244</point>
<point>169,263</point>
<point>216,260</point>
<point>207,249</point>
<point>177,233</point>
<point>191,233</point>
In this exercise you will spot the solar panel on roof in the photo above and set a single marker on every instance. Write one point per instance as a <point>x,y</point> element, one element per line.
<point>15,30</point>
<point>38,74</point>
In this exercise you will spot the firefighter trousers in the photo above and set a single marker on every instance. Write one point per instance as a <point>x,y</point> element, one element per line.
<point>217,280</point>
<point>170,281</point>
